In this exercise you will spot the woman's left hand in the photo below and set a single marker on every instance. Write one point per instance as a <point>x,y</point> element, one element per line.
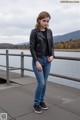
<point>50,59</point>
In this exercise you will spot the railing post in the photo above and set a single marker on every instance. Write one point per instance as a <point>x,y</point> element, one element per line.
<point>22,64</point>
<point>7,67</point>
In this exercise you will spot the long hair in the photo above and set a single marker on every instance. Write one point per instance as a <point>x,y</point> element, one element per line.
<point>42,15</point>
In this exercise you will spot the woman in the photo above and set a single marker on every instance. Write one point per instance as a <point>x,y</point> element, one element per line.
<point>41,47</point>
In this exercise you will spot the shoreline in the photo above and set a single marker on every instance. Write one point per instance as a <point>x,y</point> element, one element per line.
<point>68,50</point>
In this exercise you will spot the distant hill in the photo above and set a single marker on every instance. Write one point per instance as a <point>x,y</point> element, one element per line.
<point>66,37</point>
<point>6,45</point>
<point>12,46</point>
<point>16,46</point>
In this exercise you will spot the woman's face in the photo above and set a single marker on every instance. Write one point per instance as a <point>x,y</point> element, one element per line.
<point>44,22</point>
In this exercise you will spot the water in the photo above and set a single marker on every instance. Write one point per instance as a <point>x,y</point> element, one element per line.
<point>62,67</point>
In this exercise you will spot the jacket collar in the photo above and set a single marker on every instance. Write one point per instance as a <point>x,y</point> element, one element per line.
<point>41,35</point>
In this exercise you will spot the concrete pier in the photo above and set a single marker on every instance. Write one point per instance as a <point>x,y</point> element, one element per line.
<point>16,100</point>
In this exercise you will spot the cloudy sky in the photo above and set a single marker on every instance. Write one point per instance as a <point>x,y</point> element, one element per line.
<point>18,17</point>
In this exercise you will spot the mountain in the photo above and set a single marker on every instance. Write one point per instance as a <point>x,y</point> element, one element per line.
<point>66,37</point>
<point>6,45</point>
<point>12,46</point>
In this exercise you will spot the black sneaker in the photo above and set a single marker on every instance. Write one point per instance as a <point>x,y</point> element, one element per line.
<point>43,105</point>
<point>37,108</point>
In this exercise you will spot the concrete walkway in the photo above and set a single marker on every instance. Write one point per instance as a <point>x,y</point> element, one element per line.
<point>17,100</point>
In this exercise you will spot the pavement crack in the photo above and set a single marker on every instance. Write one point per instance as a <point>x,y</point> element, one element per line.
<point>24,114</point>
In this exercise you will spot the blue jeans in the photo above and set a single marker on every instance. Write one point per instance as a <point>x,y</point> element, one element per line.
<point>41,77</point>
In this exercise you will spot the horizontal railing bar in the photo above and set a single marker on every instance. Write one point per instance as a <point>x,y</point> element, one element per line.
<point>11,68</point>
<point>11,54</point>
<point>60,76</point>
<point>28,69</point>
<point>14,68</point>
<point>14,54</point>
<point>2,54</point>
<point>27,55</point>
<point>56,57</point>
<point>65,77</point>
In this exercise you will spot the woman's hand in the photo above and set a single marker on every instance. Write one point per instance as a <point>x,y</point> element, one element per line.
<point>38,66</point>
<point>50,59</point>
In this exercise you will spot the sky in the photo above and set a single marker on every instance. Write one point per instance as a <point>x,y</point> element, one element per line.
<point>18,18</point>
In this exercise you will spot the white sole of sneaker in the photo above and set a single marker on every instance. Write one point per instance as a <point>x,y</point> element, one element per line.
<point>39,112</point>
<point>44,108</point>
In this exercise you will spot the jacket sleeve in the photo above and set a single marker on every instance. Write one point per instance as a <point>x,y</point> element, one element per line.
<point>33,44</point>
<point>52,44</point>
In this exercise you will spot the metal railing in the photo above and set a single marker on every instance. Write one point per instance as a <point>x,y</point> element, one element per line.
<point>22,55</point>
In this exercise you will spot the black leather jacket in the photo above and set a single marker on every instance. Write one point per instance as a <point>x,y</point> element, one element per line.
<point>37,43</point>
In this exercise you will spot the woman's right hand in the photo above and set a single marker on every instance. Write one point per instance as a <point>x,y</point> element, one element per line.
<point>38,66</point>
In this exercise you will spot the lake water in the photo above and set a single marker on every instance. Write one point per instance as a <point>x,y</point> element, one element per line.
<point>62,67</point>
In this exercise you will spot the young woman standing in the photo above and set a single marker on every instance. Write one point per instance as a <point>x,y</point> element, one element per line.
<point>41,47</point>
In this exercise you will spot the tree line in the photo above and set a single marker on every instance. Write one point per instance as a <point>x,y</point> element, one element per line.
<point>71,44</point>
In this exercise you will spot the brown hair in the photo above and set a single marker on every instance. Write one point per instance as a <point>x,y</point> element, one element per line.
<point>42,15</point>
